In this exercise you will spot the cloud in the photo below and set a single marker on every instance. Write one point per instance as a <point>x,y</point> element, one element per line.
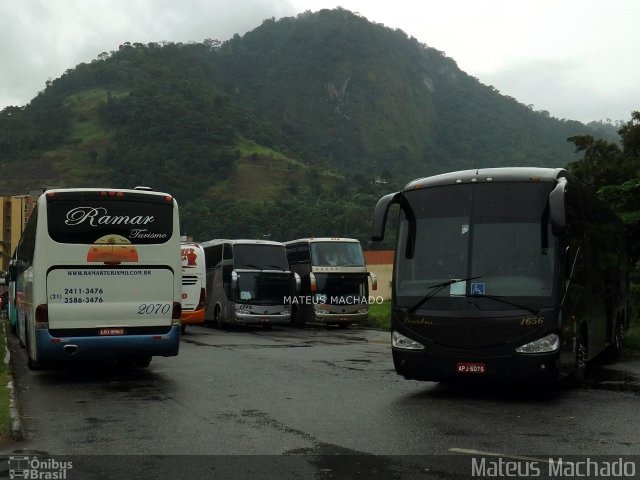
<point>568,88</point>
<point>40,39</point>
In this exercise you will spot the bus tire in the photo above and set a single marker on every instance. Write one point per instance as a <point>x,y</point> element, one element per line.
<point>616,347</point>
<point>142,362</point>
<point>31,363</point>
<point>578,376</point>
<point>217,316</point>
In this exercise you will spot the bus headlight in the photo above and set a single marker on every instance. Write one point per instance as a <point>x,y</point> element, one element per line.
<point>400,341</point>
<point>322,312</point>
<point>285,312</point>
<point>363,310</point>
<point>550,343</point>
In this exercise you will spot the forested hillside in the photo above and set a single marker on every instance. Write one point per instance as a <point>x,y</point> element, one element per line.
<point>293,129</point>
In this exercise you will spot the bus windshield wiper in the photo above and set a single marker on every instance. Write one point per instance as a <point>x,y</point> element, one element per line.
<point>502,300</point>
<point>438,287</point>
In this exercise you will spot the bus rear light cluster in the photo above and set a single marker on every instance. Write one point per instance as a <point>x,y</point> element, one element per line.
<point>42,313</point>
<point>177,311</point>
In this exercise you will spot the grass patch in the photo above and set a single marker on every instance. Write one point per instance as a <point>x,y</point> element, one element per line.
<point>5,418</point>
<point>632,338</point>
<point>380,315</point>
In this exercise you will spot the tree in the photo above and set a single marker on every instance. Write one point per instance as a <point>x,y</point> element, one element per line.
<point>615,175</point>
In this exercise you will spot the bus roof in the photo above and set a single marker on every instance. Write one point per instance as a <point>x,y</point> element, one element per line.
<point>106,189</point>
<point>506,174</point>
<point>240,241</point>
<point>323,239</point>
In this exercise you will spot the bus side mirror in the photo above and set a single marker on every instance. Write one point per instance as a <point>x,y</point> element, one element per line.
<point>298,282</point>
<point>374,281</point>
<point>557,210</point>
<point>380,216</point>
<point>234,283</point>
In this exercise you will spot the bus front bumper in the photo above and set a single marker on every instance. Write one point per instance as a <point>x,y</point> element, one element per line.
<point>519,368</point>
<point>266,319</point>
<point>59,349</point>
<point>335,318</point>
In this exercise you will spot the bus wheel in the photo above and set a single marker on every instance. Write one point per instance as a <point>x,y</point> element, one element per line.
<point>142,362</point>
<point>217,316</point>
<point>31,363</point>
<point>615,349</point>
<point>580,371</point>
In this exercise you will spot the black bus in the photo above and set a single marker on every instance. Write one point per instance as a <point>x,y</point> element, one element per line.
<point>334,281</point>
<point>504,273</point>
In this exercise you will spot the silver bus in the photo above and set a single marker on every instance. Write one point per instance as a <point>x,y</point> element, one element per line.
<point>334,281</point>
<point>248,282</point>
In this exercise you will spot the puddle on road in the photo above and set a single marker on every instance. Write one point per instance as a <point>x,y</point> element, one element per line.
<point>613,380</point>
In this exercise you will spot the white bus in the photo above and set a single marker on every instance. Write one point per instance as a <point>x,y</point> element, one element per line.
<point>193,284</point>
<point>248,282</point>
<point>99,276</point>
<point>334,277</point>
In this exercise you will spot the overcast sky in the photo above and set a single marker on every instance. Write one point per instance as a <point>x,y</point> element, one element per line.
<point>578,59</point>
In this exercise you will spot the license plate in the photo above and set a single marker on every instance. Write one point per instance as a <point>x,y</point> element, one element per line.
<point>110,331</point>
<point>471,367</point>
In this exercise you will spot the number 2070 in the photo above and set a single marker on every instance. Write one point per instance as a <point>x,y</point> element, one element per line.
<point>153,308</point>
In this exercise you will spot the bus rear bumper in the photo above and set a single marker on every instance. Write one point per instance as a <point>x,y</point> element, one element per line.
<point>195,317</point>
<point>517,368</point>
<point>59,349</point>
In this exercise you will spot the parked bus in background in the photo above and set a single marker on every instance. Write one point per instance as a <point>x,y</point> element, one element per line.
<point>99,276</point>
<point>516,273</point>
<point>193,284</point>
<point>248,282</point>
<point>334,281</point>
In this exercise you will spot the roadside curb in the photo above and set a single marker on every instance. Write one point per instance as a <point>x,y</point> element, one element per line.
<point>14,413</point>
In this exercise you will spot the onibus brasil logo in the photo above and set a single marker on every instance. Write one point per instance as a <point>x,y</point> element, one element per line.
<point>38,468</point>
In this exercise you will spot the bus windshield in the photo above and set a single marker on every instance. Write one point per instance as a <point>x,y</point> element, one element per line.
<point>345,254</point>
<point>89,217</point>
<point>263,288</point>
<point>496,235</point>
<point>260,257</point>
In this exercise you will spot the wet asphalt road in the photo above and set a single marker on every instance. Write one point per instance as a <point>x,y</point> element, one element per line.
<point>311,398</point>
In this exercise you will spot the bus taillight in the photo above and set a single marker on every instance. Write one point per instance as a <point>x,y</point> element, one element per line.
<point>42,313</point>
<point>177,311</point>
<point>201,300</point>
<point>313,284</point>
<point>42,316</point>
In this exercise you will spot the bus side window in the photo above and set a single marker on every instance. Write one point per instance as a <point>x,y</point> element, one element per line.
<point>227,268</point>
<point>213,260</point>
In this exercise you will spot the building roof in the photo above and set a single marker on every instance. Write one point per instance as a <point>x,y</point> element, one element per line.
<point>378,257</point>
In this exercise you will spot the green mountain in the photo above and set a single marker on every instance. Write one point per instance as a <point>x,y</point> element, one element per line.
<point>294,129</point>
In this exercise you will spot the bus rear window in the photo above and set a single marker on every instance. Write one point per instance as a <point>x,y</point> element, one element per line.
<point>89,217</point>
